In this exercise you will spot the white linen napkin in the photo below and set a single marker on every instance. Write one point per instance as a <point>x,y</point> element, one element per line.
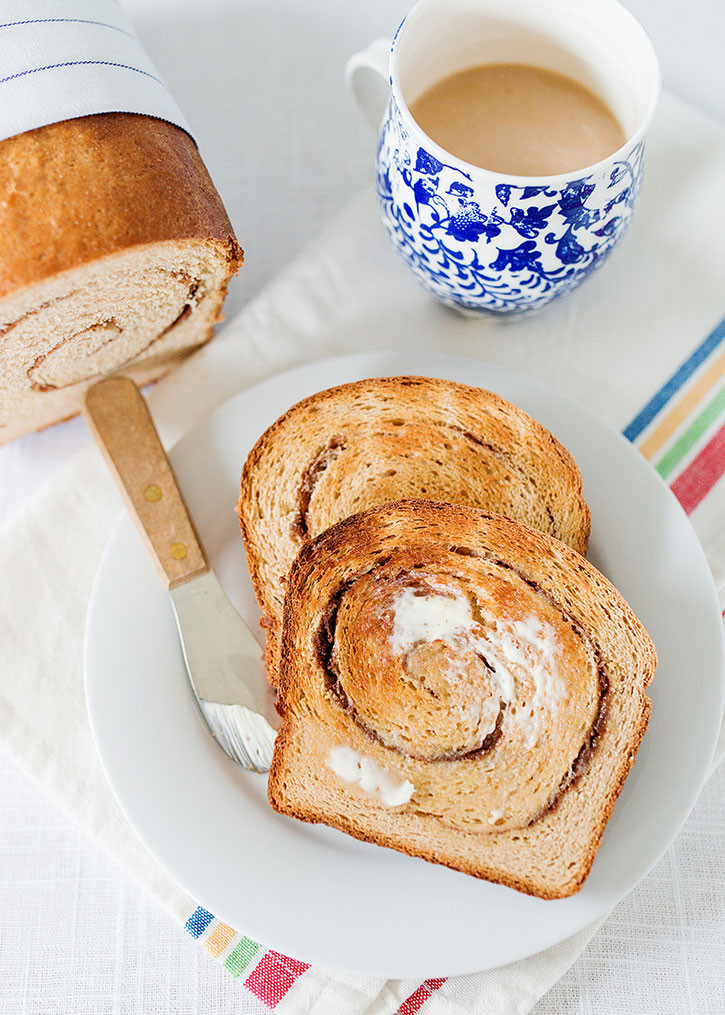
<point>624,337</point>
<point>65,58</point>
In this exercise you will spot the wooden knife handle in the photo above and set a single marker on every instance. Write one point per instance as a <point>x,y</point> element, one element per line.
<point>122,426</point>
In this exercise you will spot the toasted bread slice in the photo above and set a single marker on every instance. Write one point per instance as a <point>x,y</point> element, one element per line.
<point>364,444</point>
<point>461,688</point>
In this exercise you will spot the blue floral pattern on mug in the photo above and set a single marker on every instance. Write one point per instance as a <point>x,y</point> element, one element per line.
<point>483,245</point>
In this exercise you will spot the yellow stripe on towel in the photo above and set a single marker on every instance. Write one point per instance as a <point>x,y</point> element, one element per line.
<point>218,940</point>
<point>684,407</point>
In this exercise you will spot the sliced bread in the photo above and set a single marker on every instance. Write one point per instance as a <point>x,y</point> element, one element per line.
<point>370,442</point>
<point>461,688</point>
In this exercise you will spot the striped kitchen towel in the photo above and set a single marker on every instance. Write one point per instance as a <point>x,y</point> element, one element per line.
<point>65,58</point>
<point>644,318</point>
<point>642,343</point>
<point>681,431</point>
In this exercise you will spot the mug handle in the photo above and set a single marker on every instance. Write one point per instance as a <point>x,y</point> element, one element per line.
<point>368,78</point>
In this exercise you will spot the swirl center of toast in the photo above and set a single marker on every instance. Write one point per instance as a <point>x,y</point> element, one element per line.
<point>447,664</point>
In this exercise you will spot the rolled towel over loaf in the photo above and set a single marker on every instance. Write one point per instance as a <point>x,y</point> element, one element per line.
<point>115,253</point>
<point>461,688</point>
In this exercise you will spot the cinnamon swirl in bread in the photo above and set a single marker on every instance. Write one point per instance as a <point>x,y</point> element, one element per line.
<point>115,252</point>
<point>374,441</point>
<point>461,688</point>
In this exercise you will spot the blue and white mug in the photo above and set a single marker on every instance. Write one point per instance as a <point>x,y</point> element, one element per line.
<point>485,241</point>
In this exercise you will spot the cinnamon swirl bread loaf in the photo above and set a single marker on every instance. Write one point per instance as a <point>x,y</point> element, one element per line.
<point>115,252</point>
<point>462,688</point>
<point>370,442</point>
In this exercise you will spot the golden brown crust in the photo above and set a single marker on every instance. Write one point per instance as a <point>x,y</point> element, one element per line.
<point>78,190</point>
<point>552,855</point>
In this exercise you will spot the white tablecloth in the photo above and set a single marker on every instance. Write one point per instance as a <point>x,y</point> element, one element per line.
<point>261,86</point>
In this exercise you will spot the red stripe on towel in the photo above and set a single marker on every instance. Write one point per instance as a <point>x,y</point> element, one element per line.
<point>694,484</point>
<point>418,998</point>
<point>273,976</point>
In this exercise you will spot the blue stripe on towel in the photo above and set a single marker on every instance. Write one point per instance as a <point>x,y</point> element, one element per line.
<point>642,420</point>
<point>198,921</point>
<point>66,21</point>
<point>80,63</point>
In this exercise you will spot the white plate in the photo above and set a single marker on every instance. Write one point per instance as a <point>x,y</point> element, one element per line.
<point>312,892</point>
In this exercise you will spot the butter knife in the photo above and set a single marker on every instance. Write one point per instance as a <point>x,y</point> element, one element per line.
<point>222,657</point>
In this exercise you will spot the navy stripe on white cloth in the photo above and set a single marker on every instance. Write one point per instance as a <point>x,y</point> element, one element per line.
<point>62,59</point>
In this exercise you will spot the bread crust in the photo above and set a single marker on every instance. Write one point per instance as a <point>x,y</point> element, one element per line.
<point>485,421</point>
<point>553,855</point>
<point>78,190</point>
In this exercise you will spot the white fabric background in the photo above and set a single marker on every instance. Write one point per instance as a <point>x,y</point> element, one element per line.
<point>261,86</point>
